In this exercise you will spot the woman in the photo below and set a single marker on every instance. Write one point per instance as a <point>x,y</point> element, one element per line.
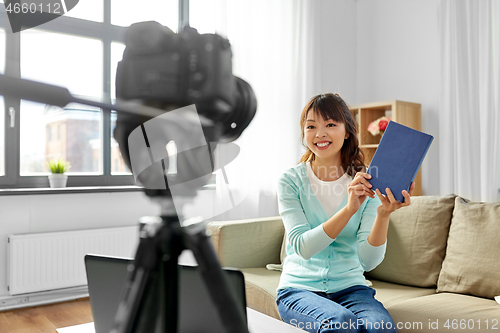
<point>336,227</point>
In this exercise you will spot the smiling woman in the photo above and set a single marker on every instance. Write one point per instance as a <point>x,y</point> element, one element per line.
<point>326,120</point>
<point>336,234</point>
<point>325,138</point>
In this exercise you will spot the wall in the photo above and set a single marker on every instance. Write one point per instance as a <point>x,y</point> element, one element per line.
<point>336,66</point>
<point>63,212</point>
<point>398,58</point>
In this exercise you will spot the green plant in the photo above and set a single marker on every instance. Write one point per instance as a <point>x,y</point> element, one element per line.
<point>58,166</point>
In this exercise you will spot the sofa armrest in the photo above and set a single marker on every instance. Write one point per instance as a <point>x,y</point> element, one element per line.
<point>247,243</point>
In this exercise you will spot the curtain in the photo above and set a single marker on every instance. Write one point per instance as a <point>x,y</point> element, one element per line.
<point>470,99</point>
<point>265,38</point>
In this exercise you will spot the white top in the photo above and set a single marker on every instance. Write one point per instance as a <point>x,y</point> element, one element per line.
<point>330,193</point>
<point>330,196</point>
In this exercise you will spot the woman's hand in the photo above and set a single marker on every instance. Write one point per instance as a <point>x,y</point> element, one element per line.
<point>390,204</point>
<point>358,190</point>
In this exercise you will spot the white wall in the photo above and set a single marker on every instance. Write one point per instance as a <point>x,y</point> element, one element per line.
<point>398,58</point>
<point>336,66</point>
<point>63,212</point>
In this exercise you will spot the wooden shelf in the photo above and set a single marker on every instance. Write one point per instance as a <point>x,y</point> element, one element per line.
<point>405,113</point>
<point>369,146</point>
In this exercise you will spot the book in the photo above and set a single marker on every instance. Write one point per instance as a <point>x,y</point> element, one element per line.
<point>398,158</point>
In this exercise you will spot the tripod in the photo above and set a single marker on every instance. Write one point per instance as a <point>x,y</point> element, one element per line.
<point>150,301</point>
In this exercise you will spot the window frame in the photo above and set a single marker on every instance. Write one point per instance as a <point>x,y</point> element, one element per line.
<point>103,31</point>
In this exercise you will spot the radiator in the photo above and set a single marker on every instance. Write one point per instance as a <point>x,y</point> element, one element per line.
<point>49,261</point>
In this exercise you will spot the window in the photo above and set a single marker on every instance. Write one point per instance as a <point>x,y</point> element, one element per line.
<point>81,124</point>
<point>203,16</point>
<point>88,10</point>
<point>79,51</point>
<point>126,12</point>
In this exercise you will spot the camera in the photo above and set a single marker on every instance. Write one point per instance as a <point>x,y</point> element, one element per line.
<point>167,68</point>
<point>170,71</point>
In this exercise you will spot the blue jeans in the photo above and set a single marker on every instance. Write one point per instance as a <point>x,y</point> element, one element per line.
<point>354,309</point>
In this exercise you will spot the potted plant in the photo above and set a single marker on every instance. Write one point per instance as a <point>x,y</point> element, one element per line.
<point>58,178</point>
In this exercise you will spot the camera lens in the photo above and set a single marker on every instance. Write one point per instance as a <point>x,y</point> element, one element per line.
<point>242,113</point>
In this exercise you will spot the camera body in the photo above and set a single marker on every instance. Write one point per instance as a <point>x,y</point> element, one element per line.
<point>170,70</point>
<point>161,66</point>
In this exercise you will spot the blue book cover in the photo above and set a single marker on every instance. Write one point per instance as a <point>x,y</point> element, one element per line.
<point>398,158</point>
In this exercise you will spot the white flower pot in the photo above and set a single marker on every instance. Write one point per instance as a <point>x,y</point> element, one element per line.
<point>58,180</point>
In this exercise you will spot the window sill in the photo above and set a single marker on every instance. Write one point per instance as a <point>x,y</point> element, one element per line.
<point>69,190</point>
<point>79,189</point>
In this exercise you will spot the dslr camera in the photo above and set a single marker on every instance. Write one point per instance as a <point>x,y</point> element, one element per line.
<point>179,69</point>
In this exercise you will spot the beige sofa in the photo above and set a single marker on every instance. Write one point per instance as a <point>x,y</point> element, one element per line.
<point>440,273</point>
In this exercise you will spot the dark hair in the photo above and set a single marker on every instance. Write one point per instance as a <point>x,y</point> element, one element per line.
<point>332,106</point>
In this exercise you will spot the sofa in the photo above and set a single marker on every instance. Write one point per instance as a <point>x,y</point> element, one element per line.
<point>440,273</point>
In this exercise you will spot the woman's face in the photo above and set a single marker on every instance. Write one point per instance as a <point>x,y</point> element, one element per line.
<point>324,137</point>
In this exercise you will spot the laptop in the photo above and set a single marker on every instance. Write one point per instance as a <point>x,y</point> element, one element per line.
<point>106,277</point>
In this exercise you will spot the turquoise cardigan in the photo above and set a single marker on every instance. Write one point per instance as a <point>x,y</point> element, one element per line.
<point>341,264</point>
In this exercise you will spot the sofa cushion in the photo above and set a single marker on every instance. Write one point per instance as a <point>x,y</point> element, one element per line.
<point>472,262</point>
<point>279,267</point>
<point>247,243</point>
<point>446,312</point>
<point>283,249</point>
<point>260,286</point>
<point>416,242</point>
<point>391,293</point>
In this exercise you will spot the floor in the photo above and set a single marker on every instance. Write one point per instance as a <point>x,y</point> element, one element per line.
<point>47,318</point>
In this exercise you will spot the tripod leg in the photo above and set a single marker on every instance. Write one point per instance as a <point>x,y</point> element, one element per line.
<point>230,312</point>
<point>147,306</point>
<point>172,247</point>
<point>135,288</point>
